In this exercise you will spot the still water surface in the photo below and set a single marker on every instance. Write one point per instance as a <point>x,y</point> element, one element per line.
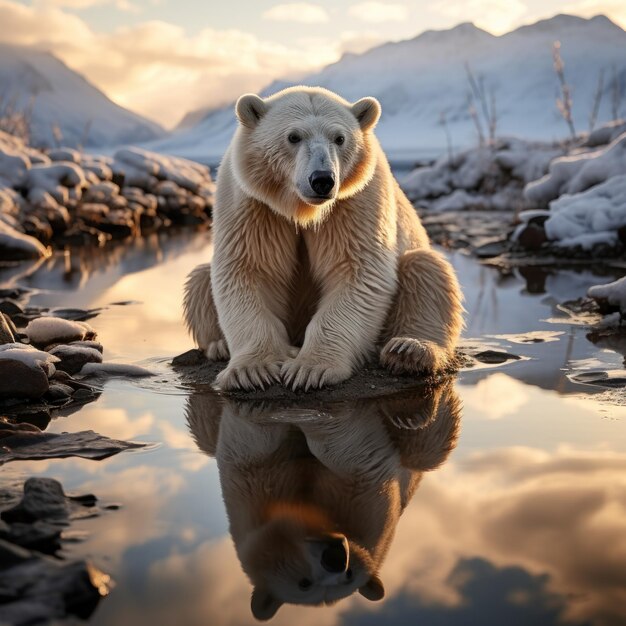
<point>513,478</point>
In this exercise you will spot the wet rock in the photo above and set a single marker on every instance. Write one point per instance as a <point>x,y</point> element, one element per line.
<point>613,379</point>
<point>18,380</point>
<point>44,331</point>
<point>58,391</point>
<point>44,499</point>
<point>96,345</point>
<point>112,370</point>
<point>42,445</point>
<point>73,357</point>
<point>76,315</point>
<point>191,357</point>
<point>493,357</point>
<point>12,292</point>
<point>6,332</point>
<point>532,237</point>
<point>35,589</point>
<point>492,249</point>
<point>10,308</point>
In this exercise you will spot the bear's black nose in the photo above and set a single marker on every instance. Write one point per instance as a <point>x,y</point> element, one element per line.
<point>335,557</point>
<point>322,181</point>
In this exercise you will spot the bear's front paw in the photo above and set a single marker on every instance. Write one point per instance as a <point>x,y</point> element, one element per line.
<point>217,351</point>
<point>406,355</point>
<point>248,375</point>
<point>312,373</point>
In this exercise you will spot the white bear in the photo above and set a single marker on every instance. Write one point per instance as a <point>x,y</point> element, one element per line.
<point>320,261</point>
<point>313,498</point>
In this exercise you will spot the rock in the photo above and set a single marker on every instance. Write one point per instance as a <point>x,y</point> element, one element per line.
<point>43,445</point>
<point>96,345</point>
<point>58,391</point>
<point>16,246</point>
<point>111,370</point>
<point>43,498</point>
<point>44,331</point>
<point>10,308</point>
<point>495,357</point>
<point>76,315</point>
<point>37,589</point>
<point>18,380</point>
<point>191,357</point>
<point>492,249</point>
<point>74,357</point>
<point>532,237</point>
<point>6,332</point>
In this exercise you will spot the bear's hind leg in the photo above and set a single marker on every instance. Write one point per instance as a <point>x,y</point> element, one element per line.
<point>201,315</point>
<point>425,320</point>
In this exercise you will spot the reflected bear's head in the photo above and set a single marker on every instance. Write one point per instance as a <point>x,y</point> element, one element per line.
<point>313,498</point>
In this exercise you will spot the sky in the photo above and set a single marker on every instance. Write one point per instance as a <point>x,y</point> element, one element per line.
<point>163,58</point>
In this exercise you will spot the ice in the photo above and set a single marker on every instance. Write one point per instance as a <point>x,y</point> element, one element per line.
<point>114,370</point>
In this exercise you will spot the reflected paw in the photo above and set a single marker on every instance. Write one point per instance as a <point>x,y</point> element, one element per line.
<point>304,374</point>
<point>406,355</point>
<point>217,351</point>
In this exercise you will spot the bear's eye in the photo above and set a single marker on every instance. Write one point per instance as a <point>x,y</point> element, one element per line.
<point>294,138</point>
<point>339,140</point>
<point>305,583</point>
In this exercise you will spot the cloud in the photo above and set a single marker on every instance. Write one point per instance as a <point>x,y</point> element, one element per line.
<point>376,12</point>
<point>496,16</point>
<point>297,12</point>
<point>156,68</point>
<point>122,5</point>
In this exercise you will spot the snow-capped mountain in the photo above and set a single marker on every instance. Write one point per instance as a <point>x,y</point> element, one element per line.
<point>56,96</point>
<point>421,81</point>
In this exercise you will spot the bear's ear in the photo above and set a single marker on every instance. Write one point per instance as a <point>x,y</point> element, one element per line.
<point>250,109</point>
<point>263,604</point>
<point>373,589</point>
<point>367,111</point>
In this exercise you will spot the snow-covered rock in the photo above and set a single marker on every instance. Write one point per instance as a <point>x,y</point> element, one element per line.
<point>490,177</point>
<point>24,371</point>
<point>72,357</point>
<point>16,246</point>
<point>576,173</point>
<point>595,214</point>
<point>44,331</point>
<point>612,293</point>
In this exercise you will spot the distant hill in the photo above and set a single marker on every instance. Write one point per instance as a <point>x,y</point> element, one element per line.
<point>420,80</point>
<point>56,95</point>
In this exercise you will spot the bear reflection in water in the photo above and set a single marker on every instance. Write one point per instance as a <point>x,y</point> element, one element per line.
<point>313,497</point>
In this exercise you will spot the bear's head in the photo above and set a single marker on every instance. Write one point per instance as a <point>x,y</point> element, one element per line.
<point>297,558</point>
<point>304,148</point>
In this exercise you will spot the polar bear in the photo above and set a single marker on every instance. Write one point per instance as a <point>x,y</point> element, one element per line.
<point>320,260</point>
<point>313,500</point>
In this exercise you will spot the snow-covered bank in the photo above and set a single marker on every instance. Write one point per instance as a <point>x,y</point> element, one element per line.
<point>63,196</point>
<point>568,198</point>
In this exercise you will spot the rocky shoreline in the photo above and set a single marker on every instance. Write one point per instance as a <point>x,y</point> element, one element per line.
<point>63,198</point>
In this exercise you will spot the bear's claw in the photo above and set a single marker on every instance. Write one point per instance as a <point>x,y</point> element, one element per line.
<point>297,374</point>
<point>248,377</point>
<point>406,355</point>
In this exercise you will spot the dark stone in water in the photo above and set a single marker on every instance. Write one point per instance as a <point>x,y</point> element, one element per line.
<point>10,308</point>
<point>36,589</point>
<point>59,391</point>
<point>44,499</point>
<point>76,315</point>
<point>495,357</point>
<point>18,380</point>
<point>29,445</point>
<point>12,292</point>
<point>492,249</point>
<point>532,237</point>
<point>191,357</point>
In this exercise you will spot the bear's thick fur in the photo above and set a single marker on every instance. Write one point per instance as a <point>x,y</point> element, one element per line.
<point>319,260</point>
<point>313,501</point>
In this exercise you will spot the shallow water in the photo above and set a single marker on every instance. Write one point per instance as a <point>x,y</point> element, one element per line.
<point>523,522</point>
